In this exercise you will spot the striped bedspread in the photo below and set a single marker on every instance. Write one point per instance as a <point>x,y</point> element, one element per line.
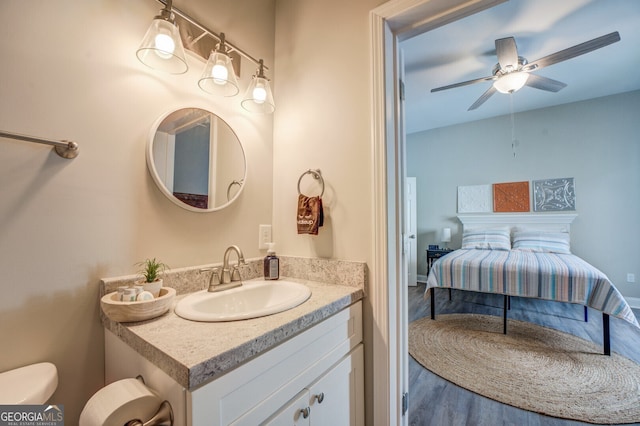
<point>551,276</point>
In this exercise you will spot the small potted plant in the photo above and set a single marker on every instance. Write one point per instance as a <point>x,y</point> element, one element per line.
<point>151,269</point>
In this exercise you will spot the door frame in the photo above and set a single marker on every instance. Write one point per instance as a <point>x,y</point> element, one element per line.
<point>391,23</point>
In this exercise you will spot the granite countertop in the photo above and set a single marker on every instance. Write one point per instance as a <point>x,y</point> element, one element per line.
<point>194,353</point>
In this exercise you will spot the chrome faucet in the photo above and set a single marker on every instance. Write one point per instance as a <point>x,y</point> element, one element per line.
<point>230,276</point>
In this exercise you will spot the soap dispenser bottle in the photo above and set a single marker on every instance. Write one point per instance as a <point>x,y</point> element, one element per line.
<point>271,264</point>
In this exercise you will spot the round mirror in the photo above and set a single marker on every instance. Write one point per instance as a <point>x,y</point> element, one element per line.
<point>196,160</point>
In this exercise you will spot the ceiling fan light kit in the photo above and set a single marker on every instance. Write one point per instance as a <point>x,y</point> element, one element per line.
<point>512,72</point>
<point>511,82</point>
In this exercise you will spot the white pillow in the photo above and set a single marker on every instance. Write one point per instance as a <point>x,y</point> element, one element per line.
<point>487,239</point>
<point>541,241</point>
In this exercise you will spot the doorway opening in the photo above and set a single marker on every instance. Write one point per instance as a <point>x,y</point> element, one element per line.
<point>391,23</point>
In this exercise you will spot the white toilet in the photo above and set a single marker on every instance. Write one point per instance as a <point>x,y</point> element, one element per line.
<point>33,384</point>
<point>126,401</point>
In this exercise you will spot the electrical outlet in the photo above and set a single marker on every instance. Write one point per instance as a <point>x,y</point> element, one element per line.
<point>264,236</point>
<point>631,278</point>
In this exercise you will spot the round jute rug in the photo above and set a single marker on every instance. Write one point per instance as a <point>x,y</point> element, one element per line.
<point>532,367</point>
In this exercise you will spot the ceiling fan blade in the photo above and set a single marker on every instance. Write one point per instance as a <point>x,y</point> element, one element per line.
<point>507,53</point>
<point>482,99</point>
<point>572,52</point>
<point>544,83</point>
<point>463,83</point>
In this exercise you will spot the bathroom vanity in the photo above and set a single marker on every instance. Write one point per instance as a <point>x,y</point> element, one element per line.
<point>303,366</point>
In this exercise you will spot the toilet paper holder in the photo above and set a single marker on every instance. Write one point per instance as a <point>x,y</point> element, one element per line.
<point>163,417</point>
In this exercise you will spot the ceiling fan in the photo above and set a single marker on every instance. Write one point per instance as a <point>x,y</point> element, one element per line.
<point>512,71</point>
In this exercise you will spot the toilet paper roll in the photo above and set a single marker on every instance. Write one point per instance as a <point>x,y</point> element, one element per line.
<point>120,402</point>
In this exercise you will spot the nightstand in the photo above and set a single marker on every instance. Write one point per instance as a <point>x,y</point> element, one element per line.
<point>435,254</point>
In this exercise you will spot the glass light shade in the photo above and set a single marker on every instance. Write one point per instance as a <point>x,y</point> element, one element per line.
<point>258,97</point>
<point>218,77</point>
<point>162,49</point>
<point>511,82</point>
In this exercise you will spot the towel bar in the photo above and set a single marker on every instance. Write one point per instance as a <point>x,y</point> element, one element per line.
<point>64,149</point>
<point>317,175</point>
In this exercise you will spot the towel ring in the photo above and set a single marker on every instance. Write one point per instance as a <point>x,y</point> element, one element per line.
<point>235,182</point>
<point>317,175</point>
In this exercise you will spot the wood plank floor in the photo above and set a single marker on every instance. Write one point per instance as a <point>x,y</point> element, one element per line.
<point>434,401</point>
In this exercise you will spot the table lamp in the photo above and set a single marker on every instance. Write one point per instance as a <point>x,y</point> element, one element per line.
<point>446,236</point>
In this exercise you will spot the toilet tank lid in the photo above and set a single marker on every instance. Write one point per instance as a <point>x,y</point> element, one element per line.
<point>31,384</point>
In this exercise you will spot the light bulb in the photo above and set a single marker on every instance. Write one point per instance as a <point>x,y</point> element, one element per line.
<point>165,45</point>
<point>220,73</point>
<point>259,94</point>
<point>218,76</point>
<point>258,97</point>
<point>161,47</point>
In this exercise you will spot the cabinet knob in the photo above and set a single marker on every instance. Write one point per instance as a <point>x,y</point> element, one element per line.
<point>319,397</point>
<point>305,412</point>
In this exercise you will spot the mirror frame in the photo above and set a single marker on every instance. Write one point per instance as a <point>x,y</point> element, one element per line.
<point>156,177</point>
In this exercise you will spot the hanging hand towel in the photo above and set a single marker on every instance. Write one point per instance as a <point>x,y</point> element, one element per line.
<point>310,214</point>
<point>320,213</point>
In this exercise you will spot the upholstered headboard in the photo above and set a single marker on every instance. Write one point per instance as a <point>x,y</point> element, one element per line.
<point>551,222</point>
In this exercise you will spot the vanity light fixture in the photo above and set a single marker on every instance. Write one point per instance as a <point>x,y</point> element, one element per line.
<point>258,97</point>
<point>161,47</point>
<point>219,76</point>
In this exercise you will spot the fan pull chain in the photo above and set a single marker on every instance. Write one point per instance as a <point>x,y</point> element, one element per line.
<point>513,127</point>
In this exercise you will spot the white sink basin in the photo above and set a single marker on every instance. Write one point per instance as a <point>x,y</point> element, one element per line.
<point>32,384</point>
<point>255,298</point>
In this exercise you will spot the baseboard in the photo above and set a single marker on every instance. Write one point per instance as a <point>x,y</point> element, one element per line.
<point>634,302</point>
<point>422,279</point>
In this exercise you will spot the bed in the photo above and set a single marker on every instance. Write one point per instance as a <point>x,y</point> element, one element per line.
<point>526,255</point>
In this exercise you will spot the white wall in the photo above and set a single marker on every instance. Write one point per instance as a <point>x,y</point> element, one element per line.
<point>69,71</point>
<point>322,122</point>
<point>595,142</point>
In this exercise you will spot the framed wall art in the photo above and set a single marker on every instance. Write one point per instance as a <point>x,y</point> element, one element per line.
<point>511,197</point>
<point>554,195</point>
<point>474,199</point>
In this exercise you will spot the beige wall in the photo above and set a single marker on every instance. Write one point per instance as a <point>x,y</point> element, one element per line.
<point>69,71</point>
<point>323,122</point>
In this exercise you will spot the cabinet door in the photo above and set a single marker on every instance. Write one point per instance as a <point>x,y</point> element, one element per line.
<point>337,398</point>
<point>296,412</point>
